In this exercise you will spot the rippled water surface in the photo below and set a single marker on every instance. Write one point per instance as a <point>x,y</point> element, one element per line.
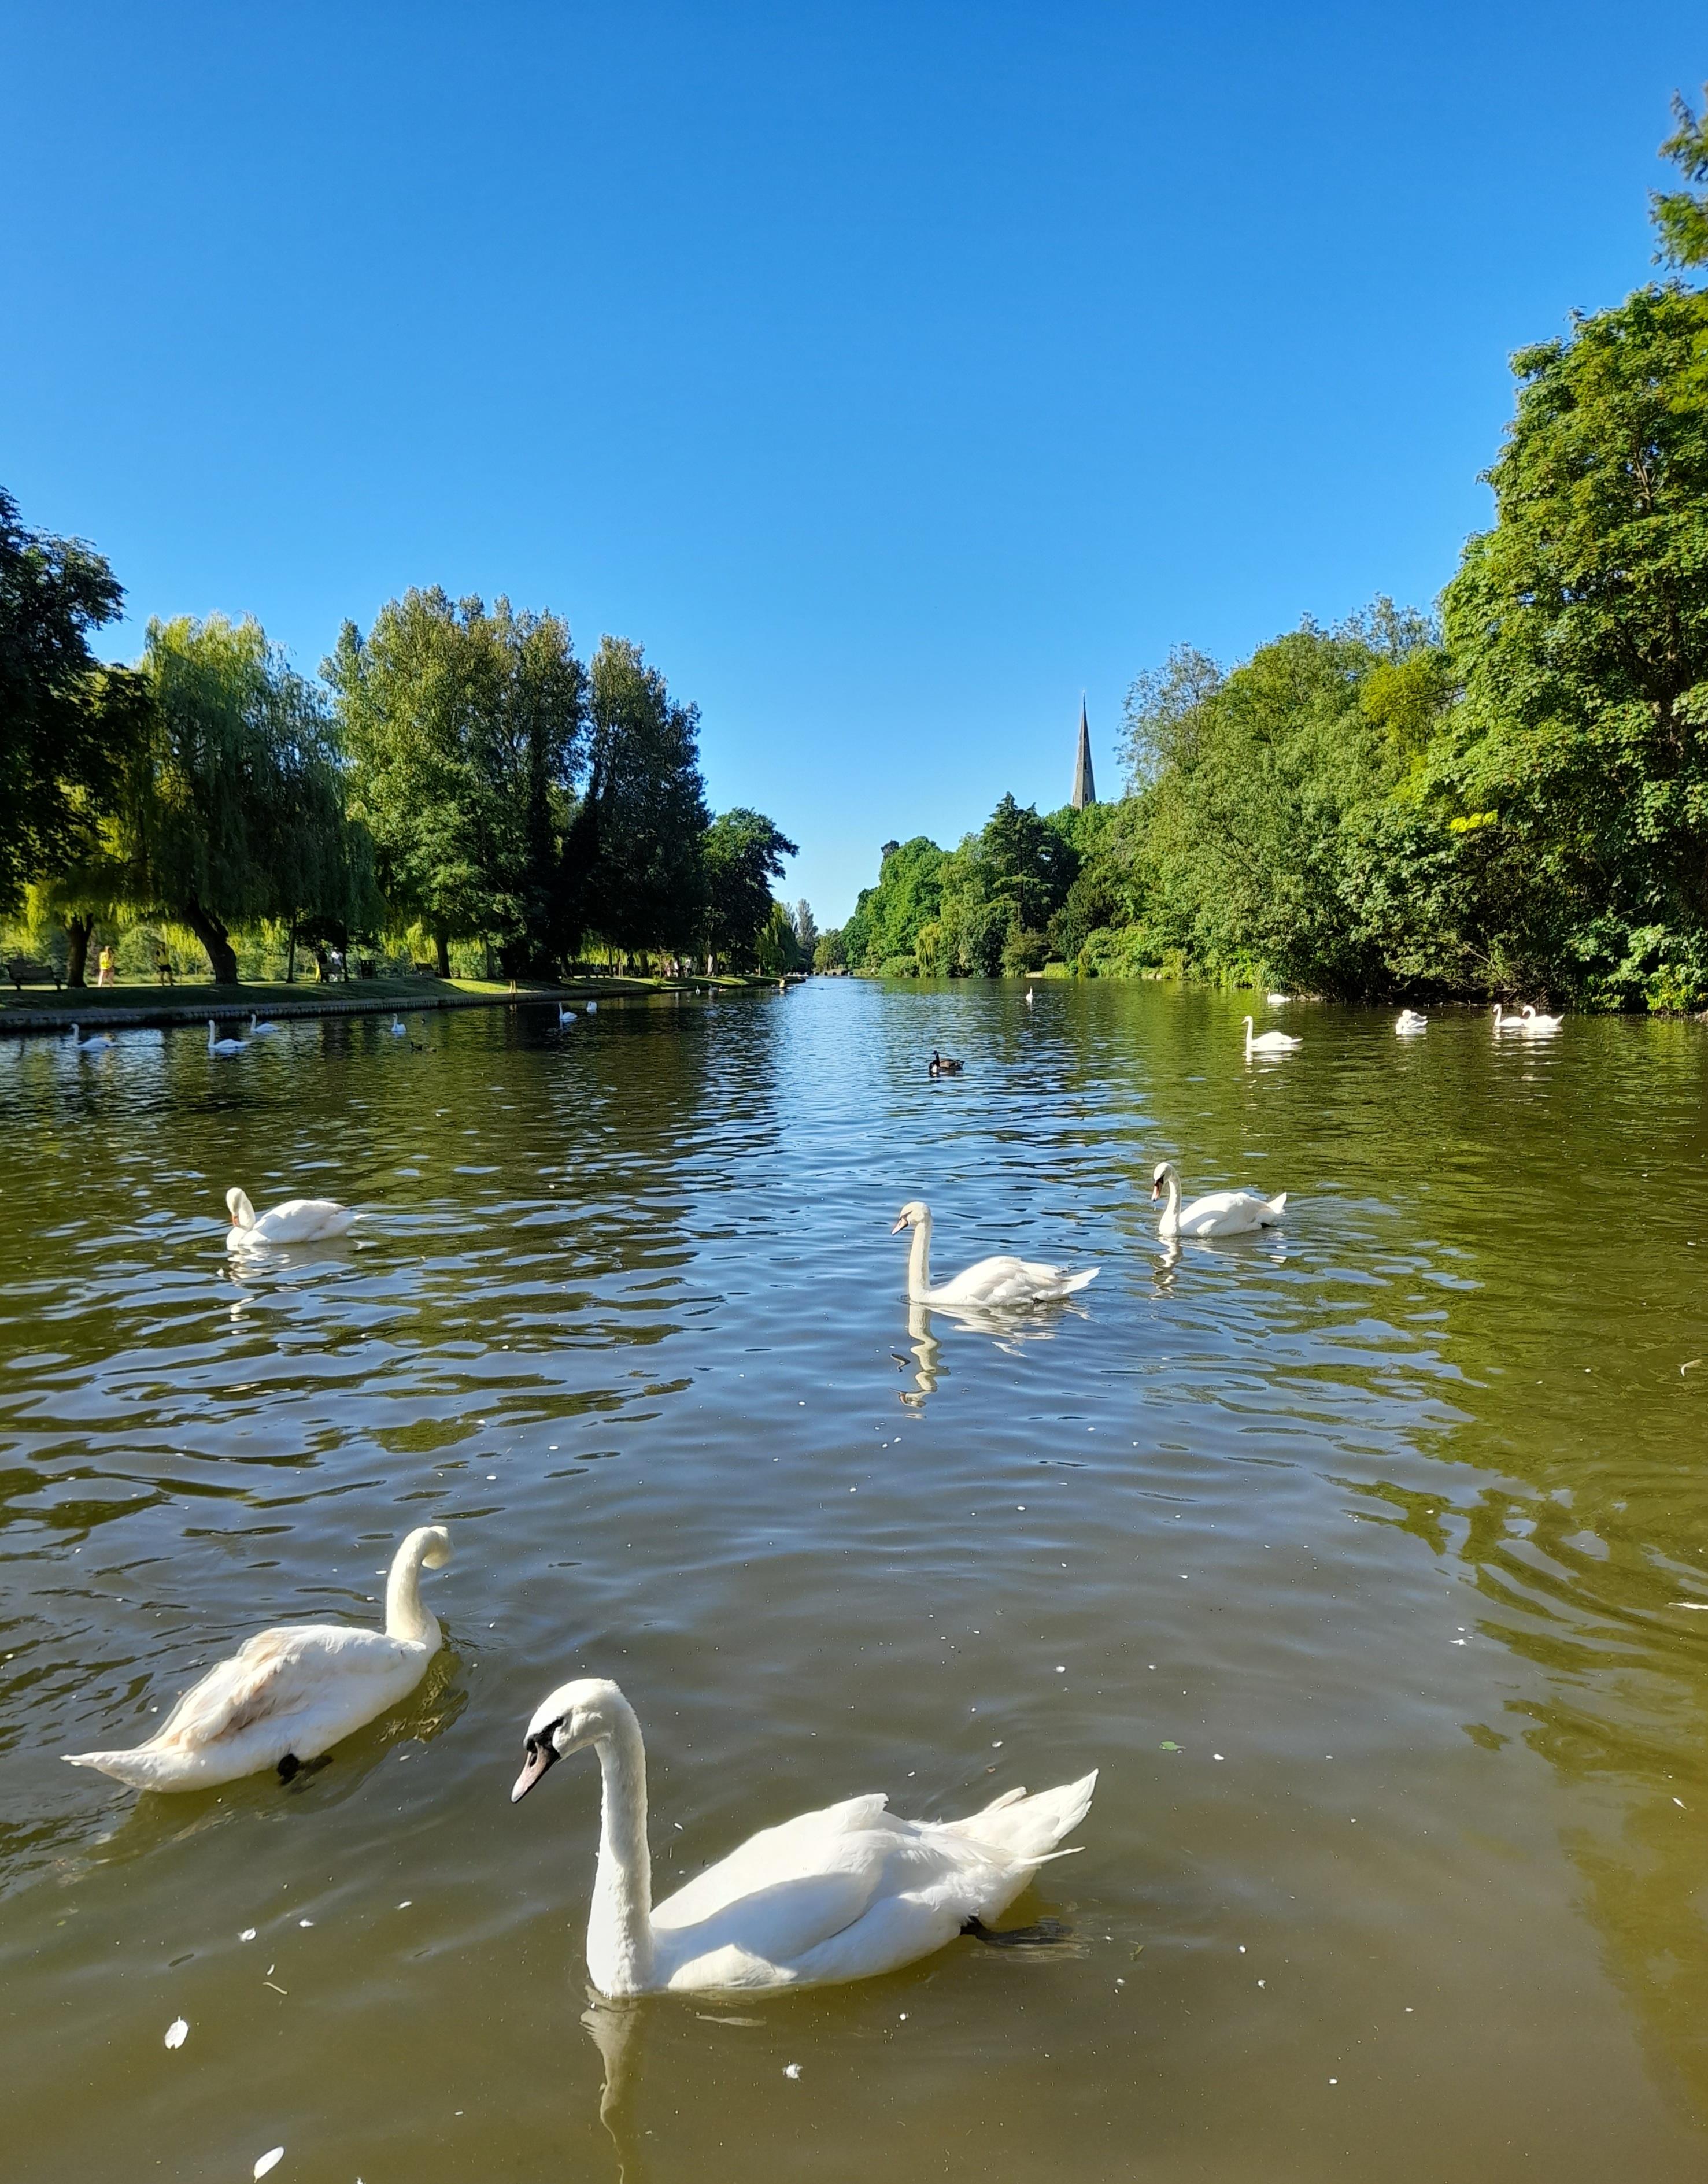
<point>1350,1555</point>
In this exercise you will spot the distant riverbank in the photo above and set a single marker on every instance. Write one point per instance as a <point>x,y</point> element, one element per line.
<point>42,1010</point>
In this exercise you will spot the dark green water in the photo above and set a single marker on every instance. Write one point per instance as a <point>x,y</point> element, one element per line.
<point>1349,1555</point>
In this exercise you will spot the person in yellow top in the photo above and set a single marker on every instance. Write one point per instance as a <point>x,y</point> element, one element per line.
<point>103,976</point>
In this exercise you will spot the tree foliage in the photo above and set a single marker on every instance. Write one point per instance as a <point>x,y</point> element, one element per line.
<point>743,852</point>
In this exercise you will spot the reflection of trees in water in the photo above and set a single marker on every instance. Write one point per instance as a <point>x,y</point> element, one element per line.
<point>1621,1715</point>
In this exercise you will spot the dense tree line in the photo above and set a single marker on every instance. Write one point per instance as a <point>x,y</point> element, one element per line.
<point>1509,795</point>
<point>457,776</point>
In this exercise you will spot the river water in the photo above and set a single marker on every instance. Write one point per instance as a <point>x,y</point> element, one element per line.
<point>1349,1554</point>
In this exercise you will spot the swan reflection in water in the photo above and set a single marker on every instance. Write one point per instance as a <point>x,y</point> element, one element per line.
<point>614,2028</point>
<point>1008,1330</point>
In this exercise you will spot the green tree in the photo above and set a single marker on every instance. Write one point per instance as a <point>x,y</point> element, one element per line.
<point>67,728</point>
<point>464,730</point>
<point>1579,624</point>
<point>1681,216</point>
<point>631,869</point>
<point>743,852</point>
<point>887,919</point>
<point>829,953</point>
<point>237,774</point>
<point>805,928</point>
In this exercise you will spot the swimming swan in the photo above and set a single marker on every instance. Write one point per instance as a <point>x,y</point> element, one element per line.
<point>1537,1025</point>
<point>398,1027</point>
<point>1504,1023</point>
<point>1409,1023</point>
<point>217,1045</point>
<point>1221,1214</point>
<point>1002,1282</point>
<point>260,1030</point>
<point>296,1221</point>
<point>1270,1042</point>
<point>87,1045</point>
<point>564,1016</point>
<point>842,1894</point>
<point>290,1693</point>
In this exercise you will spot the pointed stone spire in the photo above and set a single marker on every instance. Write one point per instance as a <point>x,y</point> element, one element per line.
<point>1085,788</point>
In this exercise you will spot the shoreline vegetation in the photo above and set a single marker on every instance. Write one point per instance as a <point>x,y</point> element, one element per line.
<point>1508,797</point>
<point>459,794</point>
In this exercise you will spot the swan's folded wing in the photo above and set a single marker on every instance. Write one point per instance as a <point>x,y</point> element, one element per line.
<point>813,1846</point>
<point>300,1220</point>
<point>277,1672</point>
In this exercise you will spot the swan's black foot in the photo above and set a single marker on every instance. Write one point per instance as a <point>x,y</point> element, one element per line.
<point>1046,1934</point>
<point>290,1766</point>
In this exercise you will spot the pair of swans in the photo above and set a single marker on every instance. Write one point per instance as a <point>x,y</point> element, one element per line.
<point>1528,1022</point>
<point>1001,1283</point>
<point>1218,1213</point>
<point>1269,1042</point>
<point>1409,1023</point>
<point>296,1221</point>
<point>841,1894</point>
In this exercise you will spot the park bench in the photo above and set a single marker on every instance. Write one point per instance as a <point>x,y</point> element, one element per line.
<point>24,970</point>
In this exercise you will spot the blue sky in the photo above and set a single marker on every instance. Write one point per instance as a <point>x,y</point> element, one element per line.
<point>892,373</point>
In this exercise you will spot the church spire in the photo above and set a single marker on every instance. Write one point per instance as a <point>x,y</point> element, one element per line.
<point>1085,788</point>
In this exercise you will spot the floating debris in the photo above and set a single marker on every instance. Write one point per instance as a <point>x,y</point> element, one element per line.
<point>177,2032</point>
<point>248,1934</point>
<point>791,2070</point>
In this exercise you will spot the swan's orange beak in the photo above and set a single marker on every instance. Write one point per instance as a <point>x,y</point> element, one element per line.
<point>541,1753</point>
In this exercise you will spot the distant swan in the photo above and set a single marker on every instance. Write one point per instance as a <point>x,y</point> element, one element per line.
<point>564,1016</point>
<point>846,1893</point>
<point>1002,1282</point>
<point>217,1045</point>
<point>260,1030</point>
<point>1409,1022</point>
<point>1537,1025</point>
<point>290,1693</point>
<point>87,1045</point>
<point>593,1008</point>
<point>941,1064</point>
<point>398,1027</point>
<point>1221,1214</point>
<point>1269,1042</point>
<point>296,1221</point>
<point>1504,1023</point>
<point>1277,1000</point>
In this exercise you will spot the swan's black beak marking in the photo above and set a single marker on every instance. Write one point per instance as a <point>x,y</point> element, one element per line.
<point>539,1753</point>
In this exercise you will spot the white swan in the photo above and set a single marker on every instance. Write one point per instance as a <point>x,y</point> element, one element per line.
<point>1220,1213</point>
<point>564,1017</point>
<point>289,1694</point>
<point>260,1030</point>
<point>88,1045</point>
<point>398,1027</point>
<point>1269,1042</point>
<point>842,1894</point>
<point>1537,1026</point>
<point>1029,997</point>
<point>593,1008</point>
<point>1504,1023</point>
<point>1277,1000</point>
<point>1000,1283</point>
<point>1409,1023</point>
<point>217,1045</point>
<point>296,1221</point>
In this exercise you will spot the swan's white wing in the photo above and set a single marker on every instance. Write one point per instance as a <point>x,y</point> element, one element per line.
<point>810,1845</point>
<point>1007,1282</point>
<point>1225,1212</point>
<point>285,1674</point>
<point>300,1220</point>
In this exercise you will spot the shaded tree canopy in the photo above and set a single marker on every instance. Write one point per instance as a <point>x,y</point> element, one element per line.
<point>744,852</point>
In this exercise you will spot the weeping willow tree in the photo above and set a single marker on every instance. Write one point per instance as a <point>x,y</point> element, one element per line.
<point>233,810</point>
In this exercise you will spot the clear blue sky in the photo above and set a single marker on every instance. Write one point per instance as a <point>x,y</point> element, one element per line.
<point>892,373</point>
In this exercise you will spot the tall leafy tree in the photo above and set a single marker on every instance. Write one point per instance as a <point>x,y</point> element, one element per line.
<point>632,865</point>
<point>464,730</point>
<point>232,809</point>
<point>1681,216</point>
<point>743,852</point>
<point>66,728</point>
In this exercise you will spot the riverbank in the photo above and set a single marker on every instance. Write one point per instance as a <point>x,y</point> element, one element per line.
<point>136,1006</point>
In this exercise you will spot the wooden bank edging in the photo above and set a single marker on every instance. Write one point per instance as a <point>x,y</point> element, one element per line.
<point>20,1023</point>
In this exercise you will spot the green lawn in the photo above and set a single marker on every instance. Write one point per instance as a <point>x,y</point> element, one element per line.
<point>190,994</point>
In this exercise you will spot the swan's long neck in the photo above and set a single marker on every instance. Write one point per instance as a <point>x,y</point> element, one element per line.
<point>1170,1224</point>
<point>619,1925</point>
<point>406,1616</point>
<point>919,1261</point>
